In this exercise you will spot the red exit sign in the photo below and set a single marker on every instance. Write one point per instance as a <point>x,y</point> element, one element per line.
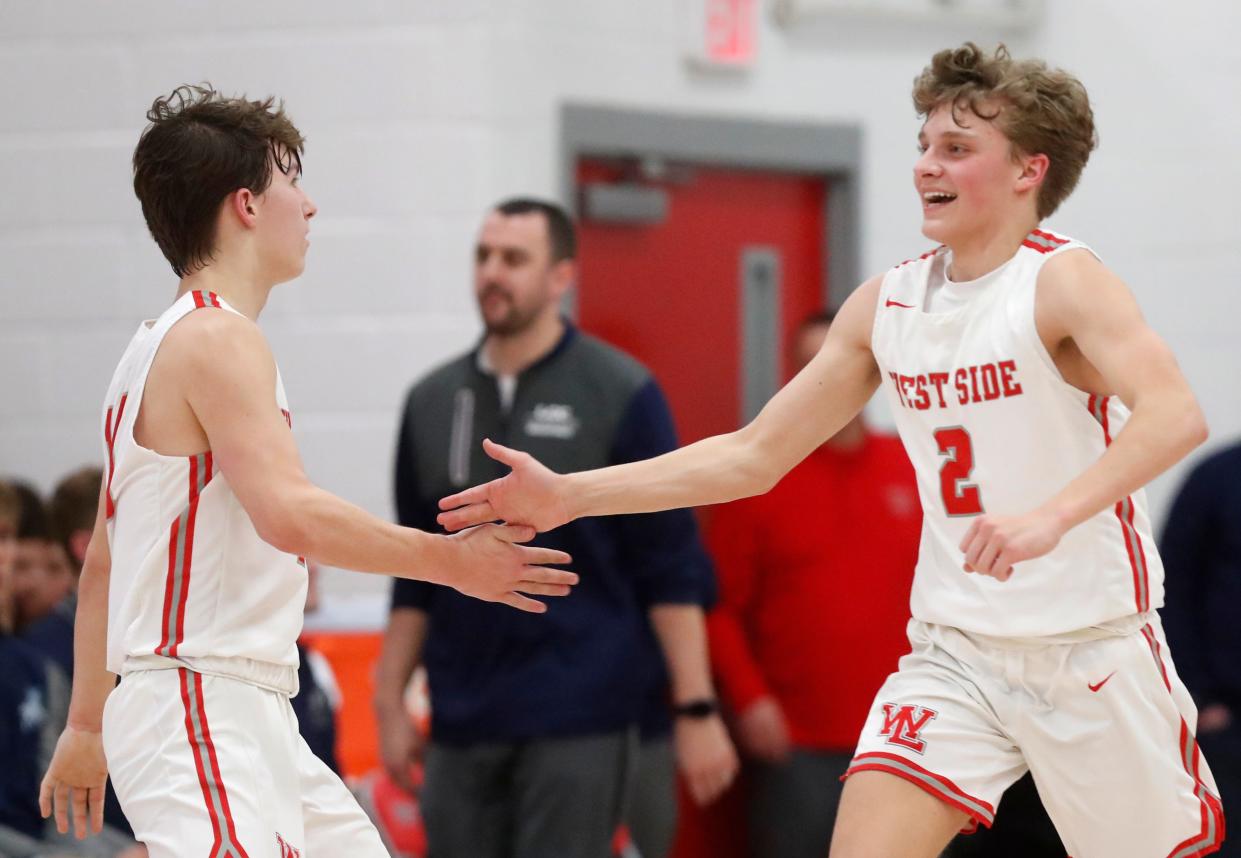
<point>722,32</point>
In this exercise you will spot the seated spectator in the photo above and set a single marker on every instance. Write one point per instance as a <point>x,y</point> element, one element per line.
<point>40,577</point>
<point>26,686</point>
<point>71,513</point>
<point>34,702</point>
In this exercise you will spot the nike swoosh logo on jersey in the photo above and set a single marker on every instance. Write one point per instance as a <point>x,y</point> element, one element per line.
<point>1093,686</point>
<point>891,303</point>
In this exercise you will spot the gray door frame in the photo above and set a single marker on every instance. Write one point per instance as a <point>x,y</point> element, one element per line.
<point>832,151</point>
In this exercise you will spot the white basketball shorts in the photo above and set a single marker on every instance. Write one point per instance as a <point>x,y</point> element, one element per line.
<point>1103,723</point>
<point>214,767</point>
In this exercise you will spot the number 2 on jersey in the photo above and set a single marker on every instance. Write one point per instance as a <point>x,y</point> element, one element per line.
<point>960,497</point>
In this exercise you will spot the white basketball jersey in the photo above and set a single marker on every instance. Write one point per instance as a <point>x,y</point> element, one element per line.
<point>991,426</point>
<point>191,579</point>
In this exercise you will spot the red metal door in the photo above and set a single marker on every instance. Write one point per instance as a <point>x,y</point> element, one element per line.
<point>669,293</point>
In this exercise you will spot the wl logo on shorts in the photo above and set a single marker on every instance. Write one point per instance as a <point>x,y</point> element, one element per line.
<point>903,724</point>
<point>287,851</point>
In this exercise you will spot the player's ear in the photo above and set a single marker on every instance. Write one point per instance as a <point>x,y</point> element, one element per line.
<point>241,203</point>
<point>1033,171</point>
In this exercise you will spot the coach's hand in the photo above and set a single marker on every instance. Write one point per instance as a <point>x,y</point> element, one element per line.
<point>401,747</point>
<point>705,756</point>
<point>490,564</point>
<point>994,543</point>
<point>529,494</point>
<point>76,776</point>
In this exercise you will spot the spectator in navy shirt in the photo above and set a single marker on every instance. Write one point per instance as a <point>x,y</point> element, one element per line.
<point>71,517</point>
<point>1201,551</point>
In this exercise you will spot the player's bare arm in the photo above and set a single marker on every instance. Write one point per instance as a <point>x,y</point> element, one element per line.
<point>75,778</point>
<point>232,398</point>
<point>812,407</point>
<point>1091,325</point>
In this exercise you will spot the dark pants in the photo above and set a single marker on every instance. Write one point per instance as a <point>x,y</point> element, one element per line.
<point>1022,829</point>
<point>541,798</point>
<point>652,807</point>
<point>792,806</point>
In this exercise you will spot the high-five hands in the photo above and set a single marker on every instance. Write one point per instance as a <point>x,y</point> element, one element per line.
<point>530,494</point>
<point>492,566</point>
<point>994,543</point>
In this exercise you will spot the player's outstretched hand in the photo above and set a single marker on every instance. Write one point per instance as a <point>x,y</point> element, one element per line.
<point>994,543</point>
<point>529,494</point>
<point>74,782</point>
<point>492,565</point>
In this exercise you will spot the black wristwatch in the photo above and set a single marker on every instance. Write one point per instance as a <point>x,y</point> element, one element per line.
<point>704,707</point>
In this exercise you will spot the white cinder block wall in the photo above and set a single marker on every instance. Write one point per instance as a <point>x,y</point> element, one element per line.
<point>420,114</point>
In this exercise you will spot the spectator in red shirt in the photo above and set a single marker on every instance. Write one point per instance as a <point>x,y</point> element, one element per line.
<point>814,582</point>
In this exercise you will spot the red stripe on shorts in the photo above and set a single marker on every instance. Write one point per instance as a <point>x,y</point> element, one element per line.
<point>940,787</point>
<point>1211,835</point>
<point>204,755</point>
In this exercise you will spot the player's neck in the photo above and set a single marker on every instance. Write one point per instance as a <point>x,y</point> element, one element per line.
<point>240,287</point>
<point>982,252</point>
<point>512,354</point>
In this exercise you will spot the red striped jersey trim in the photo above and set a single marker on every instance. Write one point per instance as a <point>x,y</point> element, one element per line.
<point>181,557</point>
<point>206,299</point>
<point>979,811</point>
<point>926,255</point>
<point>1043,242</point>
<point>1098,406</point>
<point>110,429</point>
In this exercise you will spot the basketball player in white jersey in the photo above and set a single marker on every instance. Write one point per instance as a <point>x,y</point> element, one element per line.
<point>194,582</point>
<point>1035,403</point>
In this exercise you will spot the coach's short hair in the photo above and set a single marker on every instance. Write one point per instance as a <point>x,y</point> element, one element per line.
<point>560,232</point>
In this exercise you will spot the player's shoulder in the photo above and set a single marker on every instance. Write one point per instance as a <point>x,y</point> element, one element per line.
<point>214,322</point>
<point>214,337</point>
<point>1073,274</point>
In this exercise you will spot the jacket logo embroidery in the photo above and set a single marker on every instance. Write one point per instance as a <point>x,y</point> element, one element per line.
<point>552,421</point>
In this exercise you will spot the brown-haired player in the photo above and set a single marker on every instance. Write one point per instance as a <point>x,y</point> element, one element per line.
<point>1034,402</point>
<point>195,577</point>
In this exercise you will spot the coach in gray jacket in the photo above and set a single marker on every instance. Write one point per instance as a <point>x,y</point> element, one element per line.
<point>533,716</point>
